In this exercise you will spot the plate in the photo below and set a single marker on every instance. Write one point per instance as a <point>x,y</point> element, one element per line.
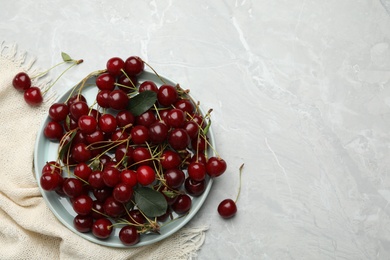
<point>46,150</point>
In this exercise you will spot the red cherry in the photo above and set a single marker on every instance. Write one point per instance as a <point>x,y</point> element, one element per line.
<point>215,166</point>
<point>145,175</point>
<point>122,192</point>
<point>50,181</point>
<point>227,208</point>
<point>134,66</point>
<point>178,139</point>
<point>102,228</point>
<point>87,124</point>
<point>197,171</point>
<point>167,95</point>
<point>148,85</point>
<point>81,153</point>
<point>102,98</point>
<point>21,81</point>
<point>115,65</point>
<point>105,81</point>
<point>83,223</point>
<point>53,131</point>
<point>82,204</point>
<point>78,108</point>
<point>182,205</point>
<point>139,134</point>
<point>107,123</point>
<point>58,111</point>
<point>33,96</point>
<point>129,235</point>
<point>118,99</point>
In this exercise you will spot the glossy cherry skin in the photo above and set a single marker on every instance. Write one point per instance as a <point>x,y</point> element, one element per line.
<point>178,139</point>
<point>81,153</point>
<point>122,192</point>
<point>83,223</point>
<point>102,98</point>
<point>58,111</point>
<point>167,95</point>
<point>82,204</point>
<point>50,181</point>
<point>53,131</point>
<point>129,177</point>
<point>185,105</point>
<point>82,171</point>
<point>197,171</point>
<point>134,66</point>
<point>115,65</point>
<point>139,134</point>
<point>227,208</point>
<point>118,99</point>
<point>145,175</point>
<point>158,132</point>
<point>87,124</point>
<point>105,81</point>
<point>102,228</point>
<point>195,188</point>
<point>21,81</point>
<point>146,119</point>
<point>113,208</point>
<point>215,166</point>
<point>148,85</point>
<point>78,108</point>
<point>174,178</point>
<point>182,205</point>
<point>107,123</point>
<point>170,160</point>
<point>72,187</point>
<point>33,96</point>
<point>176,118</point>
<point>76,98</point>
<point>129,235</point>
<point>124,118</point>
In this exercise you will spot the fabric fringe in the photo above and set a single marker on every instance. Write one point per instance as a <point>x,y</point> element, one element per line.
<point>193,239</point>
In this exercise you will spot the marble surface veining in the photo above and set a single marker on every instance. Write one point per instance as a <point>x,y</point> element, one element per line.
<point>300,92</point>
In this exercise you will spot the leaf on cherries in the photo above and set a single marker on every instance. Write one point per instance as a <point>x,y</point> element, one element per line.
<point>151,202</point>
<point>66,57</point>
<point>142,102</point>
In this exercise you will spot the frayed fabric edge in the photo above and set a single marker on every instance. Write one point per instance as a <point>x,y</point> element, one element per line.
<point>193,239</point>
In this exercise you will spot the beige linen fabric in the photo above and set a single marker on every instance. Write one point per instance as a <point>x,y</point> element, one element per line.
<point>28,229</point>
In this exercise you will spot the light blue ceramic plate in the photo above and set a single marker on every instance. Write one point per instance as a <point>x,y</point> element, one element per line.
<point>46,150</point>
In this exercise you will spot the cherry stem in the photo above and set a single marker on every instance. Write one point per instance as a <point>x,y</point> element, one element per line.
<point>239,187</point>
<point>47,71</point>
<point>155,72</point>
<point>47,89</point>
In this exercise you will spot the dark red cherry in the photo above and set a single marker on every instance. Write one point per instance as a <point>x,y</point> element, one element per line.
<point>33,96</point>
<point>115,65</point>
<point>134,66</point>
<point>21,81</point>
<point>227,208</point>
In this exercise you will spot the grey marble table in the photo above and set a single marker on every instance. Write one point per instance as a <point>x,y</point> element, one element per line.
<point>300,92</point>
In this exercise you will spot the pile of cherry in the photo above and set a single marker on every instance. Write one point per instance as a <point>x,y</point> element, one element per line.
<point>134,156</point>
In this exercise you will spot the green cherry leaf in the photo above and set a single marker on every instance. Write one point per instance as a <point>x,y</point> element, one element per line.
<point>151,202</point>
<point>142,102</point>
<point>65,57</point>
